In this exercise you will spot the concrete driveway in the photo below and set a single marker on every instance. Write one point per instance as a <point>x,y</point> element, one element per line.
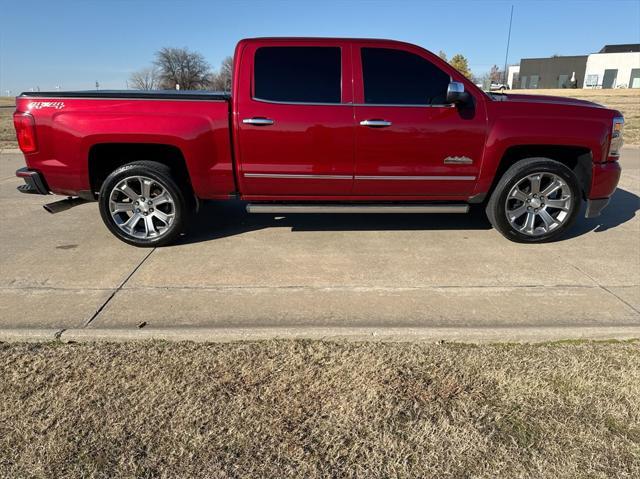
<point>247,276</point>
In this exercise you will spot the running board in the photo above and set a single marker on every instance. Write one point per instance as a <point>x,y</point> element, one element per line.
<point>370,208</point>
<point>62,205</point>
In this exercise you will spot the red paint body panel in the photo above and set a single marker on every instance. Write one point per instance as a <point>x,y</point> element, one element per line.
<point>199,129</point>
<point>604,179</point>
<point>305,139</point>
<point>516,122</point>
<point>418,141</point>
<point>320,139</point>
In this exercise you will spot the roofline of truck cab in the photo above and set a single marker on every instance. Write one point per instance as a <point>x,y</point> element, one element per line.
<point>329,39</point>
<point>323,39</point>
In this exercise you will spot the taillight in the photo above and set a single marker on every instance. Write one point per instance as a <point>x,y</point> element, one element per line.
<point>26,132</point>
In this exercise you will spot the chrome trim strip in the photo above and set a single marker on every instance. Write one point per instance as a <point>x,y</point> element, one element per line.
<point>358,177</point>
<point>296,176</point>
<point>276,102</point>
<point>444,105</point>
<point>458,160</point>
<point>319,208</point>
<point>416,178</point>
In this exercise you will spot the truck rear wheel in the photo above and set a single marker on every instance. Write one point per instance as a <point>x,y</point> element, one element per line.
<point>142,204</point>
<point>536,200</point>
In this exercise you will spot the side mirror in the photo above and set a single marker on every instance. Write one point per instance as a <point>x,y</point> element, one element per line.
<point>456,93</point>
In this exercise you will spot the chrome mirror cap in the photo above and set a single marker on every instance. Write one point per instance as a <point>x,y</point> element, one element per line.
<point>455,87</point>
<point>456,93</point>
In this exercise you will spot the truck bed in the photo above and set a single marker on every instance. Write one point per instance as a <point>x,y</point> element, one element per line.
<point>79,133</point>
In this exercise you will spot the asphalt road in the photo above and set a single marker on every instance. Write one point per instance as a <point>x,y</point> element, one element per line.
<point>247,276</point>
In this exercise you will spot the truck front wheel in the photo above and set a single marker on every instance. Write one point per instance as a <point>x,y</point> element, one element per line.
<point>535,201</point>
<point>142,204</point>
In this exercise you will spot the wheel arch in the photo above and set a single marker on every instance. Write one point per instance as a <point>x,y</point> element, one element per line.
<point>104,158</point>
<point>579,159</point>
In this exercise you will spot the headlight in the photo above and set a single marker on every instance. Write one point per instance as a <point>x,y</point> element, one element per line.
<point>616,136</point>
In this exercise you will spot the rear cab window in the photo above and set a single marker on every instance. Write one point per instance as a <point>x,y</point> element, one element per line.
<point>398,77</point>
<point>304,74</point>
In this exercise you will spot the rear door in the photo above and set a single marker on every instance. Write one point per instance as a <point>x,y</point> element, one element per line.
<point>295,119</point>
<point>409,141</point>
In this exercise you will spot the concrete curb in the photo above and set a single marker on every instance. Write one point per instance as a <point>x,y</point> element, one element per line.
<point>28,335</point>
<point>471,335</point>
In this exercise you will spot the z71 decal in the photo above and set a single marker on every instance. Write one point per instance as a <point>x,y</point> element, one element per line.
<point>39,105</point>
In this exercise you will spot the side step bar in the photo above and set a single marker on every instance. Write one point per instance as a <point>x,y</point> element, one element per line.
<point>62,205</point>
<point>351,208</point>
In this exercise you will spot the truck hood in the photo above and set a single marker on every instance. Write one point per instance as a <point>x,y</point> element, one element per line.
<point>555,100</point>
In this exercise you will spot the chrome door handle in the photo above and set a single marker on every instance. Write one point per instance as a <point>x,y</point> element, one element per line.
<point>376,123</point>
<point>258,121</point>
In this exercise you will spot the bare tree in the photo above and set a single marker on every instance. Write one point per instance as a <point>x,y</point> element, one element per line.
<point>442,55</point>
<point>145,79</point>
<point>180,66</point>
<point>495,75</point>
<point>221,81</point>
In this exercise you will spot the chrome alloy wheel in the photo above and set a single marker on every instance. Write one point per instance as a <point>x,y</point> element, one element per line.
<point>538,203</point>
<point>142,207</point>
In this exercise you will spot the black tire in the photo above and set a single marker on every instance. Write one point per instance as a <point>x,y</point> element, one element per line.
<point>497,206</point>
<point>181,207</point>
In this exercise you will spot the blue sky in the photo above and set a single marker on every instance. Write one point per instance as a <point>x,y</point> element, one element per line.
<point>74,43</point>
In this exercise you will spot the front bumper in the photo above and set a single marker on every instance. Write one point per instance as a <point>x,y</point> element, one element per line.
<point>595,207</point>
<point>34,182</point>
<point>604,181</point>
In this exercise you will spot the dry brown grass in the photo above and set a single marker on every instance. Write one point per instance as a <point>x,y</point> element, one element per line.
<point>319,409</point>
<point>627,101</point>
<point>7,133</point>
<point>7,101</point>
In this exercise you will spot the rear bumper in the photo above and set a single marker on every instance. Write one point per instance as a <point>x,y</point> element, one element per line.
<point>604,181</point>
<point>34,182</point>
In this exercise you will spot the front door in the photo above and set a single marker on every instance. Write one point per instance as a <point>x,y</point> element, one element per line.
<point>409,142</point>
<point>295,121</point>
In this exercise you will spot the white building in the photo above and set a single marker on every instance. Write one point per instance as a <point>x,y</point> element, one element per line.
<point>615,66</point>
<point>512,74</point>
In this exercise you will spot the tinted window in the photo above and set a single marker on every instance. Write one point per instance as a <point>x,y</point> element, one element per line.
<point>401,78</point>
<point>300,74</point>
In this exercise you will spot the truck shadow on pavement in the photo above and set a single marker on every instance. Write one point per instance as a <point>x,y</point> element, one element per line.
<point>621,208</point>
<point>223,219</point>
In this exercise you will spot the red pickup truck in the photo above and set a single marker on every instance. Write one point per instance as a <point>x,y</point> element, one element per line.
<point>323,126</point>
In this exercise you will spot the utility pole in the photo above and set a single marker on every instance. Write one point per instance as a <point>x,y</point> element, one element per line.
<point>506,57</point>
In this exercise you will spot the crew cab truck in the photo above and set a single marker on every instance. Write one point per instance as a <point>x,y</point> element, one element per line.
<point>323,125</point>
